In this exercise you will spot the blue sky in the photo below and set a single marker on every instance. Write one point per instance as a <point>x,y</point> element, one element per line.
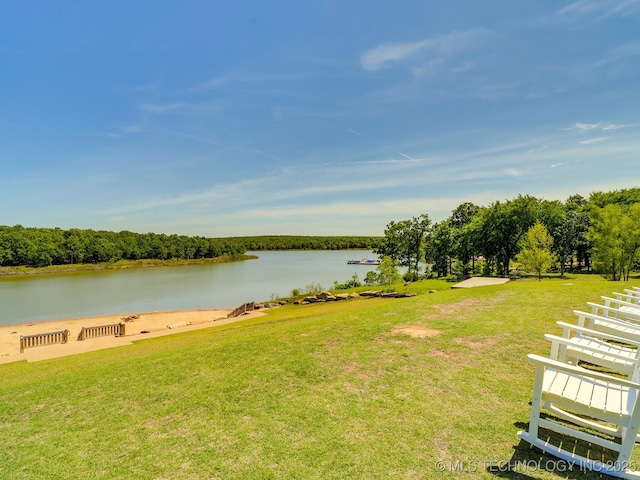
<point>319,118</point>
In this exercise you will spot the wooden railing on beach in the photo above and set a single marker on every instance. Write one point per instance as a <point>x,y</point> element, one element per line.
<point>115,329</point>
<point>42,339</point>
<point>242,309</point>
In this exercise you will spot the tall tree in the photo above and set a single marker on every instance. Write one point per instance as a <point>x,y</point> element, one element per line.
<point>570,237</point>
<point>577,208</point>
<point>625,197</point>
<point>440,248</point>
<point>463,245</point>
<point>502,226</point>
<point>615,233</point>
<point>537,256</point>
<point>388,272</point>
<point>631,242</point>
<point>404,242</point>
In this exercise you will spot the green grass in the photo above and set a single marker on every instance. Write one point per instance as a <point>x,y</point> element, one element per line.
<point>317,391</point>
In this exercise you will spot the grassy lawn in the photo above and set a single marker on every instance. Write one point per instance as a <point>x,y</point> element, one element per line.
<point>334,390</point>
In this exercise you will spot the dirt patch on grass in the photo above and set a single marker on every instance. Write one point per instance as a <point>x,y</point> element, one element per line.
<point>466,306</point>
<point>416,331</point>
<point>441,446</point>
<point>484,343</point>
<point>350,367</point>
<point>439,354</point>
<point>461,306</point>
<point>354,368</point>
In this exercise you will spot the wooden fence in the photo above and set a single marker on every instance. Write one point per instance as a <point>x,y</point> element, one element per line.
<point>115,329</point>
<point>41,339</point>
<point>242,309</point>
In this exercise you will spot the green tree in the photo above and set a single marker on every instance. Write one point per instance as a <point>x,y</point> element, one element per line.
<point>537,256</point>
<point>74,246</point>
<point>440,248</point>
<point>624,197</point>
<point>502,226</point>
<point>551,213</point>
<point>404,242</point>
<point>461,224</point>
<point>388,271</point>
<point>385,274</point>
<point>631,244</point>
<point>615,233</point>
<point>565,244</point>
<point>578,205</point>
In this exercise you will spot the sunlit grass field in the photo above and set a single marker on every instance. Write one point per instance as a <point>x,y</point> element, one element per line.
<point>365,388</point>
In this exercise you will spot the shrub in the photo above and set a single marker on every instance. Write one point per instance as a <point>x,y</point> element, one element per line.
<point>312,288</point>
<point>411,277</point>
<point>354,282</point>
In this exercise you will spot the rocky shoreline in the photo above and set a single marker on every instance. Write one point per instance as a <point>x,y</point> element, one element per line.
<point>326,296</point>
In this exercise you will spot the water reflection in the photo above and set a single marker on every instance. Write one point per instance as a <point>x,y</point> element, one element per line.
<point>38,298</point>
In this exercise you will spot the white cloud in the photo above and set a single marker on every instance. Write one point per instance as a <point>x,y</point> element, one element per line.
<point>514,172</point>
<point>437,208</point>
<point>624,51</point>
<point>593,140</point>
<point>378,57</point>
<point>602,8</point>
<point>213,83</point>
<point>136,128</point>
<point>219,81</point>
<point>161,108</point>
<point>602,126</point>
<point>585,126</point>
<point>441,48</point>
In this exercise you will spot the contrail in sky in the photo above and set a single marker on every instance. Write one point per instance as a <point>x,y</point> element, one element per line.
<point>407,156</point>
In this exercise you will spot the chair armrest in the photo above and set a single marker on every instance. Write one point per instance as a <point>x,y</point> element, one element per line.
<point>565,367</point>
<point>619,302</point>
<point>569,342</point>
<point>567,327</point>
<point>606,308</point>
<point>627,297</point>
<point>616,321</point>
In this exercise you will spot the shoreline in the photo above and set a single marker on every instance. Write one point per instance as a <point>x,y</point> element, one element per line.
<point>119,265</point>
<point>137,326</point>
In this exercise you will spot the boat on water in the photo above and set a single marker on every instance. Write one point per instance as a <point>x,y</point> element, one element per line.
<point>364,261</point>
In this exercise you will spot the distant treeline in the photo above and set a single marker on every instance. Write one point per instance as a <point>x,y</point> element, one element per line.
<point>601,233</point>
<point>293,242</point>
<point>41,247</point>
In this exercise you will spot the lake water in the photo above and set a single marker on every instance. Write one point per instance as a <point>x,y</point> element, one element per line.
<point>34,298</point>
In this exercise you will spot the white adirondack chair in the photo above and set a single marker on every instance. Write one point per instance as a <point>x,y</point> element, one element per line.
<point>630,296</point>
<point>633,292</point>
<point>610,325</point>
<point>604,404</point>
<point>596,348</point>
<point>617,309</point>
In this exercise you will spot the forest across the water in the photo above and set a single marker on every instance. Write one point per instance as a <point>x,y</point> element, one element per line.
<point>42,247</point>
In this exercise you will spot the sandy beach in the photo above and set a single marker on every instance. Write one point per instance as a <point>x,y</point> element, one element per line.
<point>138,326</point>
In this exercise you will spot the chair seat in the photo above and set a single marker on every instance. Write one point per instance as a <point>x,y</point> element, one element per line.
<point>587,395</point>
<point>630,310</point>
<point>603,353</point>
<point>586,406</point>
<point>631,331</point>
